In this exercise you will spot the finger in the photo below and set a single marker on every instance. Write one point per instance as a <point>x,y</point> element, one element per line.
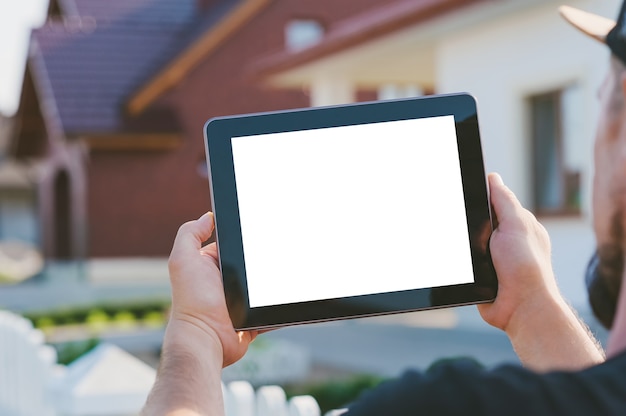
<point>247,336</point>
<point>505,204</point>
<point>210,249</point>
<point>494,215</point>
<point>192,234</point>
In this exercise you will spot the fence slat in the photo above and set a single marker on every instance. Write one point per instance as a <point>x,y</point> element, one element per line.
<point>27,367</point>
<point>271,401</point>
<point>304,406</point>
<point>239,399</point>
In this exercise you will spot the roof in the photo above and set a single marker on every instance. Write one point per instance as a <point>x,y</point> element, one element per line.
<point>211,31</point>
<point>131,11</point>
<point>360,29</point>
<point>90,62</point>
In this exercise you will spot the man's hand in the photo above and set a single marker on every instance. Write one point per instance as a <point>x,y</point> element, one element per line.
<point>200,338</point>
<point>197,292</point>
<point>521,254</point>
<point>544,331</point>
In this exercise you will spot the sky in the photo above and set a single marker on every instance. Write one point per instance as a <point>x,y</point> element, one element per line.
<point>17,17</point>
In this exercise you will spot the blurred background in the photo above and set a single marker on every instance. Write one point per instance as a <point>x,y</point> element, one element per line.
<point>102,105</point>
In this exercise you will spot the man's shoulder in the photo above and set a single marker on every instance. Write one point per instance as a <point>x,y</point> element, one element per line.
<point>463,386</point>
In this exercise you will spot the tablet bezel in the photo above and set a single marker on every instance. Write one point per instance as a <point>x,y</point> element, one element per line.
<point>218,133</point>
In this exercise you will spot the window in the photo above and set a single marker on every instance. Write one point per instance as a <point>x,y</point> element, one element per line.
<point>556,164</point>
<point>303,33</point>
<point>18,218</point>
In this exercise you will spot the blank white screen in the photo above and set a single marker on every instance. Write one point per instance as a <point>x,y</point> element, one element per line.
<point>354,210</point>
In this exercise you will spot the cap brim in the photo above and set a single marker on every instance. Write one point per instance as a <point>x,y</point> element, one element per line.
<point>590,24</point>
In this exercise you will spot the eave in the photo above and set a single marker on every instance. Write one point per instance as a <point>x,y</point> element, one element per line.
<point>358,31</point>
<point>130,142</point>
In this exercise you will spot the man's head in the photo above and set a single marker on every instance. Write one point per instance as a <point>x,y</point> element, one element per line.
<point>605,270</point>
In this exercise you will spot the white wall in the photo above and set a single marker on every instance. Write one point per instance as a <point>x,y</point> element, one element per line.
<point>501,63</point>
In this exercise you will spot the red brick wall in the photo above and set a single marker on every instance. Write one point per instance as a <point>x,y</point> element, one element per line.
<point>136,200</point>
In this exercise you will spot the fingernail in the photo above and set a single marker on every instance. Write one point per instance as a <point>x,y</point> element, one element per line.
<point>497,178</point>
<point>206,215</point>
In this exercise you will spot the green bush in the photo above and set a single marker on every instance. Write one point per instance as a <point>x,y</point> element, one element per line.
<point>154,319</point>
<point>124,320</point>
<point>97,319</point>
<point>99,316</point>
<point>68,352</point>
<point>44,322</point>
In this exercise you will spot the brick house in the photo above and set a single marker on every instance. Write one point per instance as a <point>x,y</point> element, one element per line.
<point>114,99</point>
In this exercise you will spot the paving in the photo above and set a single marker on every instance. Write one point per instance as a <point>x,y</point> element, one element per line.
<point>47,295</point>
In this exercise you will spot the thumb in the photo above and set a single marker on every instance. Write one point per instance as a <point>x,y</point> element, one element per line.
<point>504,202</point>
<point>192,234</point>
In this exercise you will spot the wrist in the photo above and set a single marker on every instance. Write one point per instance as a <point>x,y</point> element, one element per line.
<point>189,337</point>
<point>536,313</point>
<point>547,335</point>
<point>189,376</point>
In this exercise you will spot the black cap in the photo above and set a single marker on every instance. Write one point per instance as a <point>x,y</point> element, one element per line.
<point>616,38</point>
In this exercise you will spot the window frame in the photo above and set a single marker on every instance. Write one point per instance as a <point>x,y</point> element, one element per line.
<point>565,208</point>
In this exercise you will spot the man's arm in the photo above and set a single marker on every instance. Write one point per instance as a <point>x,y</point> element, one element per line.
<point>545,332</point>
<point>189,377</point>
<point>200,338</point>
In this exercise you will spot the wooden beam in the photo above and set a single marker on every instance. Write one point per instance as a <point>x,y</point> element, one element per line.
<point>132,142</point>
<point>189,58</point>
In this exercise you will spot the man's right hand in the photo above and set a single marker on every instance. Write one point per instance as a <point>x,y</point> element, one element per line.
<point>545,333</point>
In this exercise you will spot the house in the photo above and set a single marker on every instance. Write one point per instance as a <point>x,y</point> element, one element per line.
<point>535,79</point>
<point>114,100</point>
<point>116,93</point>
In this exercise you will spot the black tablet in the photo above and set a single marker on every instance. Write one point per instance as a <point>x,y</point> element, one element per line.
<point>350,211</point>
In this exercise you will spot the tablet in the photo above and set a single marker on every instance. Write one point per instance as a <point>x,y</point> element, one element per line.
<point>350,211</point>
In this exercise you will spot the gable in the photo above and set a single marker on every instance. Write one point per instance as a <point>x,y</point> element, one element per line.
<point>91,62</point>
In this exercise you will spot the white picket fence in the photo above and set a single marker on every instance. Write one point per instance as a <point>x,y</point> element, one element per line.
<point>240,399</point>
<point>33,384</point>
<point>27,368</point>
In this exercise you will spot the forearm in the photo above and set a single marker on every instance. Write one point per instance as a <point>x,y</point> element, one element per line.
<point>550,336</point>
<point>189,376</point>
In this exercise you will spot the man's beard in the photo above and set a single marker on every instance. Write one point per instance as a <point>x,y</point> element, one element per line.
<point>604,274</point>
